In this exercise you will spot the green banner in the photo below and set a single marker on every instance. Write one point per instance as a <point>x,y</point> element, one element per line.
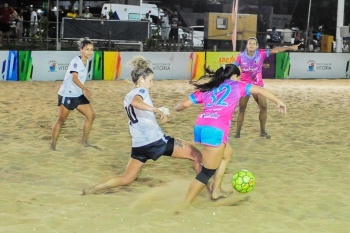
<point>282,65</point>
<point>25,66</point>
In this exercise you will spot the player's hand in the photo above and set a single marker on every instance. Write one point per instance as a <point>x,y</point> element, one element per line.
<point>88,93</point>
<point>282,108</point>
<point>295,47</point>
<point>162,116</point>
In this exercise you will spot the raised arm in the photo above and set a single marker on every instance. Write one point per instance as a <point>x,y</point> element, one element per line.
<point>183,105</point>
<point>283,49</point>
<point>269,95</point>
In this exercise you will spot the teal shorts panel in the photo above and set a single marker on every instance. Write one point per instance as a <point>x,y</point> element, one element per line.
<point>208,135</point>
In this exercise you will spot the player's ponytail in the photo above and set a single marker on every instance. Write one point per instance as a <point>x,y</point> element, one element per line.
<point>83,42</point>
<point>141,68</point>
<point>217,77</point>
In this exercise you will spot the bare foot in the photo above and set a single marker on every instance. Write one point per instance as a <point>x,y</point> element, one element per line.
<point>220,194</point>
<point>85,144</point>
<point>181,208</point>
<point>265,135</point>
<point>237,135</point>
<point>89,190</point>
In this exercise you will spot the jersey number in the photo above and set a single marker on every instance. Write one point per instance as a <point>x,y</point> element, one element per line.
<point>131,114</point>
<point>221,101</point>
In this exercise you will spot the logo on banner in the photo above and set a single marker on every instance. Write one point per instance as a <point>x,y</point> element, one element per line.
<point>226,60</point>
<point>319,66</point>
<point>52,66</point>
<point>311,65</point>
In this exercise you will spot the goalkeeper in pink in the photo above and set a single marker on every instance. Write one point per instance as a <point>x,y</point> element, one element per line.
<point>251,61</point>
<point>219,96</point>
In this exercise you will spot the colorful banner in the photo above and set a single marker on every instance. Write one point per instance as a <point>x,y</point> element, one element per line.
<point>216,59</point>
<point>52,65</point>
<point>111,65</point>
<point>282,65</point>
<point>97,64</point>
<point>176,65</point>
<point>196,69</point>
<point>25,65</point>
<point>9,65</point>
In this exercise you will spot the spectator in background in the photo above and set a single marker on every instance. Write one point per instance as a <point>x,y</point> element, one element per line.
<point>72,13</point>
<point>286,34</point>
<point>274,37</point>
<point>33,21</point>
<point>86,14</point>
<point>19,25</point>
<point>147,18</point>
<point>262,31</point>
<point>175,24</point>
<point>165,26</point>
<point>5,20</point>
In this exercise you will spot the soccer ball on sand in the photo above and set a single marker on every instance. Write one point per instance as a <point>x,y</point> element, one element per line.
<point>243,181</point>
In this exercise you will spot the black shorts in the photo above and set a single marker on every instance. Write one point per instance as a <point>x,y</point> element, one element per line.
<point>4,27</point>
<point>154,150</point>
<point>72,102</point>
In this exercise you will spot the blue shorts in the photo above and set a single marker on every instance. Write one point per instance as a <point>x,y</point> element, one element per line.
<point>154,150</point>
<point>208,135</point>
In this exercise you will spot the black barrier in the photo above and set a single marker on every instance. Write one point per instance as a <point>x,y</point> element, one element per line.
<point>101,29</point>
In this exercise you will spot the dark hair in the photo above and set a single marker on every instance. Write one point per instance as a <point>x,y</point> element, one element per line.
<point>141,68</point>
<point>217,77</point>
<point>83,42</point>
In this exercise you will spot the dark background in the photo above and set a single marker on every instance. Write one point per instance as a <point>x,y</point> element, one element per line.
<point>323,12</point>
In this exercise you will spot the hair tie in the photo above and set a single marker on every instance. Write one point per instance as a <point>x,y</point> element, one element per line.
<point>223,66</point>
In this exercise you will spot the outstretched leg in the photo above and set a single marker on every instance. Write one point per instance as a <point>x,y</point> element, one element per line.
<point>88,112</point>
<point>211,159</point>
<point>132,170</point>
<point>217,192</point>
<point>261,100</point>
<point>63,114</point>
<point>185,150</point>
<point>240,118</point>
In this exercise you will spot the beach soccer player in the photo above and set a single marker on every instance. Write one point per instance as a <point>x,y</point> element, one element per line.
<point>73,94</point>
<point>251,61</point>
<point>219,97</point>
<point>148,139</point>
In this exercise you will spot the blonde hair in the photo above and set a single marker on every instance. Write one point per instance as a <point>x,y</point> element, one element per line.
<point>83,42</point>
<point>141,68</point>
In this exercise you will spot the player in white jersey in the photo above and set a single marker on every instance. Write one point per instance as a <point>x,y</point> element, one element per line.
<point>72,93</point>
<point>148,139</point>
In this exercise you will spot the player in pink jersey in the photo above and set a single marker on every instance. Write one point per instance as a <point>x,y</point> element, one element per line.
<point>219,96</point>
<point>251,61</point>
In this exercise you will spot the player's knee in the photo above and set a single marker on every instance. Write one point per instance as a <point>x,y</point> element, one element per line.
<point>205,175</point>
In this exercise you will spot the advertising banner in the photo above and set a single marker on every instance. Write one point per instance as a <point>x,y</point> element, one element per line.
<point>319,65</point>
<point>177,65</point>
<point>52,65</point>
<point>9,65</point>
<point>216,59</point>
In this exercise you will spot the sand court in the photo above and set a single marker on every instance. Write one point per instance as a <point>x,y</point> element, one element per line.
<point>302,172</point>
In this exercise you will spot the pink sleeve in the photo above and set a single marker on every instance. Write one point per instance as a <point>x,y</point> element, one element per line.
<point>237,62</point>
<point>197,97</point>
<point>263,53</point>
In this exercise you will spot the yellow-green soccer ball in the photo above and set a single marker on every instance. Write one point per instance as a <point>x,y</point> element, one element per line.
<point>243,181</point>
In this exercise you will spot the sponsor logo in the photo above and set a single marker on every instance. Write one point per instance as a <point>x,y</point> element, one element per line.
<point>318,66</point>
<point>52,66</point>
